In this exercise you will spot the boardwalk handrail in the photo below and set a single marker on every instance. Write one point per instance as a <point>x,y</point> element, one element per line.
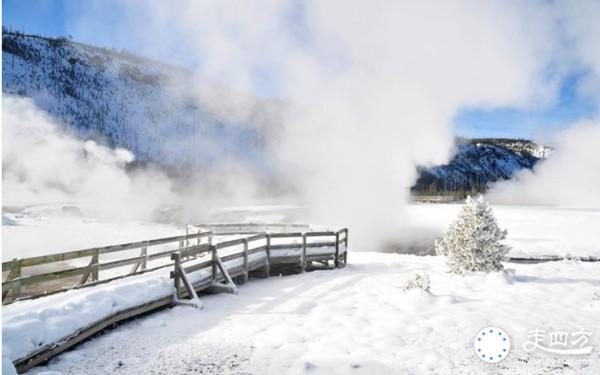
<point>194,258</point>
<point>90,274</point>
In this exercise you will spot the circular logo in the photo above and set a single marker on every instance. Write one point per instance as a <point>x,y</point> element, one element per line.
<point>492,344</point>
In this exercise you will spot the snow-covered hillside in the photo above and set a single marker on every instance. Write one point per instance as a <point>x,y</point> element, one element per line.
<point>478,162</point>
<point>159,112</point>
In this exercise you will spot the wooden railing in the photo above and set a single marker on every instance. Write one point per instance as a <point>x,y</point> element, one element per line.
<point>27,279</point>
<point>190,260</point>
<point>196,267</point>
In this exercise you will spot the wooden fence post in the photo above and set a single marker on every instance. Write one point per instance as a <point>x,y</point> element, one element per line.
<point>96,261</point>
<point>214,262</point>
<point>176,257</point>
<point>303,257</point>
<point>15,272</point>
<point>346,244</point>
<point>245,242</point>
<point>337,250</point>
<point>268,251</point>
<point>145,260</point>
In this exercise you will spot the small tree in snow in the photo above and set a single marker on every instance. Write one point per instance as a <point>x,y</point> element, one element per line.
<point>473,241</point>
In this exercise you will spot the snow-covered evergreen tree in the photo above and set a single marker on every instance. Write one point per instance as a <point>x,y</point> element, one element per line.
<point>473,241</point>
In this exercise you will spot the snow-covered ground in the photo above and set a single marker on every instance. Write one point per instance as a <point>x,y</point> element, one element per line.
<point>354,320</point>
<point>359,320</point>
<point>45,229</point>
<point>532,230</point>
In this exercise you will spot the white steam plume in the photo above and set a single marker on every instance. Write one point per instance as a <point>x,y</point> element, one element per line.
<point>372,87</point>
<point>571,176</point>
<point>43,164</point>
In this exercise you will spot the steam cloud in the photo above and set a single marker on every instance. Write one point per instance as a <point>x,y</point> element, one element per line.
<point>571,176</point>
<point>372,87</point>
<point>44,164</point>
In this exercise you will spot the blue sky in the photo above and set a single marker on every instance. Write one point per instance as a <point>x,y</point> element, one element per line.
<point>570,107</point>
<point>55,18</point>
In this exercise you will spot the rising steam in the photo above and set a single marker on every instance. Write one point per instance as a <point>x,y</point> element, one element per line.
<point>42,163</point>
<point>370,88</point>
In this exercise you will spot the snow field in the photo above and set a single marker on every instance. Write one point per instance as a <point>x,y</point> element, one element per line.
<point>359,320</point>
<point>532,230</point>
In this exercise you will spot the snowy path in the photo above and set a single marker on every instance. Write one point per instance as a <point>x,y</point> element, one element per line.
<point>358,320</point>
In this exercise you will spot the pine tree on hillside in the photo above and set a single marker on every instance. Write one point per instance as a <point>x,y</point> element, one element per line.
<point>472,242</point>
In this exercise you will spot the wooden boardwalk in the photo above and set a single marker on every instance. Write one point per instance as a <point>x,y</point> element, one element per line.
<point>217,258</point>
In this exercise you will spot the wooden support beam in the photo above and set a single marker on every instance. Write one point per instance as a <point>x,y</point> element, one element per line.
<point>229,284</point>
<point>181,277</point>
<point>15,272</point>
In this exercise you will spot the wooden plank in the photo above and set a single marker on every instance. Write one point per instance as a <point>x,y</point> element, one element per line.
<point>286,246</point>
<point>257,249</point>
<point>44,259</point>
<point>228,257</point>
<point>45,353</point>
<point>320,234</point>
<point>34,279</point>
<point>59,257</point>
<point>295,259</point>
<point>194,250</point>
<point>320,256</point>
<point>320,244</point>
<point>161,254</point>
<point>119,263</point>
<point>198,266</point>
<point>222,245</point>
<point>309,245</point>
<point>87,285</point>
<point>286,235</point>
